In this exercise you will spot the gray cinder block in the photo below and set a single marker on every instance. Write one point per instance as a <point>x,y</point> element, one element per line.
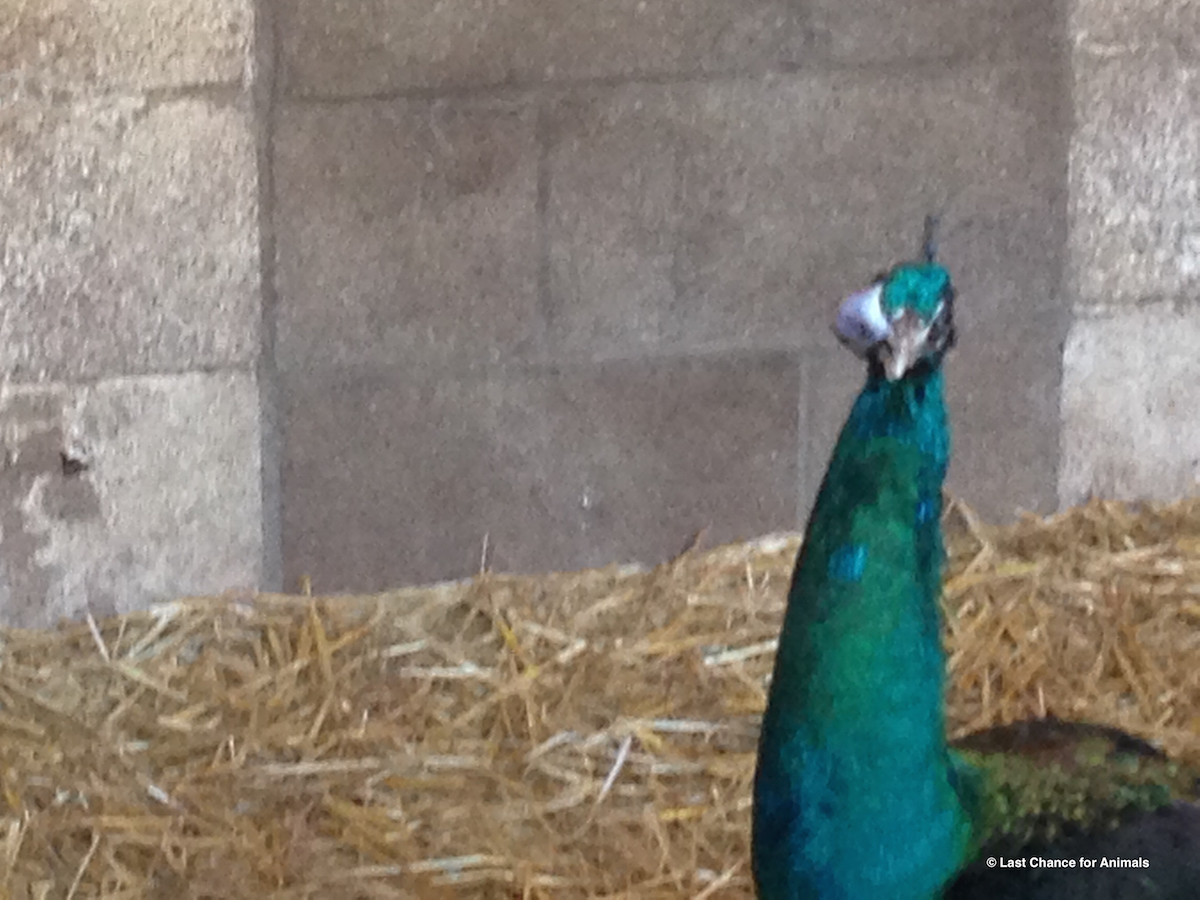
<point>406,230</point>
<point>377,46</point>
<point>1131,388</point>
<point>100,46</point>
<point>901,31</point>
<point>1108,28</point>
<point>395,476</point>
<point>130,241</point>
<point>1135,187</point>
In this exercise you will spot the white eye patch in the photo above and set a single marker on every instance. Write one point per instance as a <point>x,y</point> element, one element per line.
<point>861,321</point>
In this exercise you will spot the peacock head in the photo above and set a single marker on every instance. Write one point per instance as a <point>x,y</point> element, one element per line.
<point>905,319</point>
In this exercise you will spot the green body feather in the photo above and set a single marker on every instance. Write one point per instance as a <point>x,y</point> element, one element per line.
<point>1074,778</point>
<point>857,794</point>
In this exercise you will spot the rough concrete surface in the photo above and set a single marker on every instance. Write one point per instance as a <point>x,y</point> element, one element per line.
<point>130,237</point>
<point>1003,395</point>
<point>1131,388</point>
<point>1135,179</point>
<point>870,32</point>
<point>398,476</point>
<point>125,492</point>
<point>732,212</point>
<point>364,47</point>
<point>384,46</point>
<point>1107,28</point>
<point>1003,378</point>
<point>406,230</point>
<point>96,46</point>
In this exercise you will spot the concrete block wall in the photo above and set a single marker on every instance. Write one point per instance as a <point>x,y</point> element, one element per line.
<point>559,278</point>
<point>130,284</point>
<point>356,291</point>
<point>1132,375</point>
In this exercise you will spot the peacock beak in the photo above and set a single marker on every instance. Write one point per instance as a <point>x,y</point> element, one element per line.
<point>903,346</point>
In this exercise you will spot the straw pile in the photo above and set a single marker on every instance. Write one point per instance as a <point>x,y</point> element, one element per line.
<point>569,735</point>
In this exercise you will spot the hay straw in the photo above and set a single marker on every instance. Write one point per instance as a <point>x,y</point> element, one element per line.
<point>569,735</point>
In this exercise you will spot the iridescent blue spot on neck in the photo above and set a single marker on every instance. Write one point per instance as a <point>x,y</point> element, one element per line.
<point>848,562</point>
<point>926,510</point>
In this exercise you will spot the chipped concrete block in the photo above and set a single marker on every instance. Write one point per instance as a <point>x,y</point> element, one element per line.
<point>1135,180</point>
<point>1131,389</point>
<point>130,238</point>
<point>96,46</point>
<point>121,493</point>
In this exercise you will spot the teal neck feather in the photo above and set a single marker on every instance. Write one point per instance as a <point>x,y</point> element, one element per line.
<point>855,795</point>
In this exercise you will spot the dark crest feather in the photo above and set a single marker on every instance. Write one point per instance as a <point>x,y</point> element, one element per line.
<point>929,241</point>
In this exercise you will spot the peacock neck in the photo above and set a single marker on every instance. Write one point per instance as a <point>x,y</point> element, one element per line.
<point>862,617</point>
<point>853,738</point>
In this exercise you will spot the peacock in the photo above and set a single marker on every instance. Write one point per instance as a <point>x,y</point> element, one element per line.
<point>858,795</point>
